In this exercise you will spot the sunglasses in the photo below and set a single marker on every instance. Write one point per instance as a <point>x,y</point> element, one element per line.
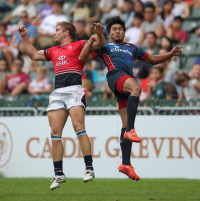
<point>18,64</point>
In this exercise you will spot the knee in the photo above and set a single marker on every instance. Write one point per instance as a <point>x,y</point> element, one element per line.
<point>78,127</point>
<point>54,132</point>
<point>136,90</point>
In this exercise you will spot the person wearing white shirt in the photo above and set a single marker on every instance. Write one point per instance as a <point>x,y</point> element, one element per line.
<point>133,33</point>
<point>26,6</point>
<point>48,25</point>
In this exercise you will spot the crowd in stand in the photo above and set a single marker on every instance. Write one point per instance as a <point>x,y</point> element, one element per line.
<point>154,25</point>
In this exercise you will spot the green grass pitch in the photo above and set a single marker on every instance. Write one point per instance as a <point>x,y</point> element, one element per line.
<point>100,189</point>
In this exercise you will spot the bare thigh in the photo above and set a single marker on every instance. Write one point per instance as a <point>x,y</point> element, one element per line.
<point>131,87</point>
<point>77,115</point>
<point>57,120</point>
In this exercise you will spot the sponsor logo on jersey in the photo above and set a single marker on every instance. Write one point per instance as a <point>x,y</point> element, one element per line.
<point>127,45</point>
<point>117,49</point>
<point>69,47</point>
<point>61,63</point>
<point>62,57</point>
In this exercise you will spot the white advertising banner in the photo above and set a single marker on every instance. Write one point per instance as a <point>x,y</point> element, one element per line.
<point>170,147</point>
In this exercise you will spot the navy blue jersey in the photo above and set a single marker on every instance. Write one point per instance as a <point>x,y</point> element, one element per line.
<point>120,56</point>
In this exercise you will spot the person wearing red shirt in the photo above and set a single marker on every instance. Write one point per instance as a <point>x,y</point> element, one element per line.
<point>68,98</point>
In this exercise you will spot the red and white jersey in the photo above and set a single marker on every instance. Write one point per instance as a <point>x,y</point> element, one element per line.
<point>67,68</point>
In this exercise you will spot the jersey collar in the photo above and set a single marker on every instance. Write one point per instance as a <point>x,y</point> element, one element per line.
<point>67,44</point>
<point>116,42</point>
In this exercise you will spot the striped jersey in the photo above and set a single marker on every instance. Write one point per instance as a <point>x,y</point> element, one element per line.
<point>120,55</point>
<point>67,68</point>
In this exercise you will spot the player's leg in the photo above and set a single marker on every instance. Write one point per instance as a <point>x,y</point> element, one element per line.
<point>127,85</point>
<point>57,116</point>
<point>77,115</point>
<point>125,167</point>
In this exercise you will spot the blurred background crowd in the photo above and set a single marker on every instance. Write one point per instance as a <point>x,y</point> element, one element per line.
<point>156,26</point>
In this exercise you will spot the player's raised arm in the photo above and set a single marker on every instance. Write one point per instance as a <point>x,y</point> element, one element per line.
<point>32,52</point>
<point>99,37</point>
<point>85,53</point>
<point>156,59</point>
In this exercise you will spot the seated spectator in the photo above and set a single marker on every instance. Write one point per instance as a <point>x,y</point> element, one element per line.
<point>107,93</point>
<point>48,26</point>
<point>166,17</point>
<point>109,9</point>
<point>44,11</point>
<point>133,33</point>
<point>80,30</point>
<point>195,72</point>
<point>36,1</point>
<point>41,84</point>
<point>17,83</point>
<point>15,43</point>
<point>181,8</point>
<point>166,43</point>
<point>175,33</point>
<point>157,88</point>
<point>190,87</point>
<point>25,6</point>
<point>128,14</point>
<point>151,23</point>
<point>3,65</point>
<point>3,39</point>
<point>139,7</point>
<point>151,43</point>
<point>87,10</point>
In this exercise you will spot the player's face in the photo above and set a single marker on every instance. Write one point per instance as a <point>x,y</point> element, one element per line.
<point>116,33</point>
<point>59,34</point>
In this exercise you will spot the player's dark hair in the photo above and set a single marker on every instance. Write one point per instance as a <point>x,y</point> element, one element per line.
<point>158,68</point>
<point>115,20</point>
<point>152,33</point>
<point>139,16</point>
<point>178,18</point>
<point>150,5</point>
<point>68,26</point>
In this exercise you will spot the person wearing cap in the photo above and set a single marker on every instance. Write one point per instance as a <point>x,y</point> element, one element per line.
<point>195,72</point>
<point>80,30</point>
<point>128,14</point>
<point>175,33</point>
<point>48,25</point>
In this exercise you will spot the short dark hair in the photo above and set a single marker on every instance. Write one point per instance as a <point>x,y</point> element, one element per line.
<point>152,33</point>
<point>3,25</point>
<point>24,12</point>
<point>60,2</point>
<point>20,58</point>
<point>138,15</point>
<point>158,68</point>
<point>150,5</point>
<point>115,20</point>
<point>178,18</point>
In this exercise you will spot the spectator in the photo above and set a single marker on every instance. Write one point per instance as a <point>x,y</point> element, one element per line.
<point>151,43</point>
<point>36,1</point>
<point>26,6</point>
<point>17,83</point>
<point>195,72</point>
<point>181,8</point>
<point>175,33</point>
<point>107,93</point>
<point>48,25</point>
<point>3,65</point>
<point>139,7</point>
<point>110,8</point>
<point>190,87</point>
<point>3,39</point>
<point>80,30</point>
<point>128,14</point>
<point>166,17</point>
<point>15,43</point>
<point>166,43</point>
<point>152,24</point>
<point>147,1</point>
<point>157,88</point>
<point>133,33</point>
<point>41,84</point>
<point>44,11</point>
<point>196,4</point>
<point>87,10</point>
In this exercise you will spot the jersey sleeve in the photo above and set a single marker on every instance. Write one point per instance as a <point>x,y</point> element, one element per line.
<point>48,54</point>
<point>140,54</point>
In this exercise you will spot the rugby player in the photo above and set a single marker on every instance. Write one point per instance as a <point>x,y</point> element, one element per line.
<point>118,57</point>
<point>68,98</point>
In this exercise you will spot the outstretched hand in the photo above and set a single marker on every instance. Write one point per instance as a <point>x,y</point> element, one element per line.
<point>97,28</point>
<point>177,51</point>
<point>22,30</point>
